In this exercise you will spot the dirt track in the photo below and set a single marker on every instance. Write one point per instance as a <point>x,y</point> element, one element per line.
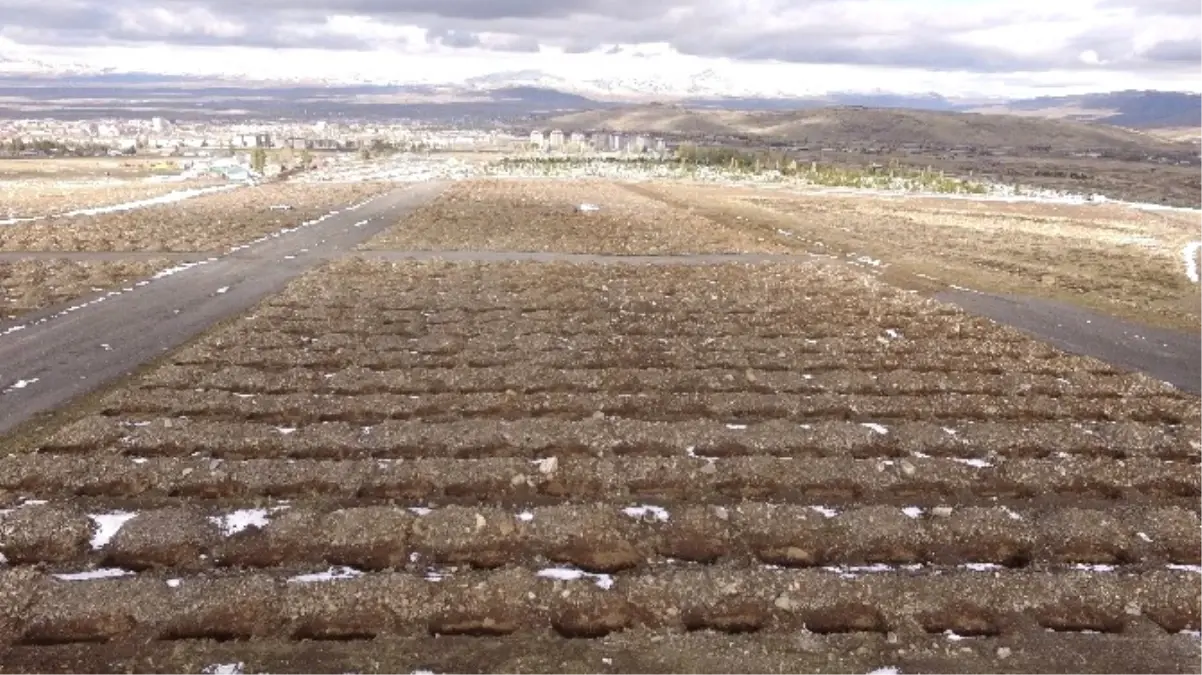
<point>546,462</point>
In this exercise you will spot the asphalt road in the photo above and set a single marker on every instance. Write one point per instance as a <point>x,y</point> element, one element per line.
<point>596,258</point>
<point>1172,356</point>
<point>48,363</point>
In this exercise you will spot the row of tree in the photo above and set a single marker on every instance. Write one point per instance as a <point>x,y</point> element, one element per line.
<point>43,146</point>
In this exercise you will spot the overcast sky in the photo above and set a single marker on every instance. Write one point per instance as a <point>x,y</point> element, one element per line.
<point>952,46</point>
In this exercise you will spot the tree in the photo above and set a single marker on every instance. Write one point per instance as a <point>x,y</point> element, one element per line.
<point>306,157</point>
<point>258,160</point>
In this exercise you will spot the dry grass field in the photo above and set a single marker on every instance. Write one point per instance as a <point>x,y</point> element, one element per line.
<point>209,225</point>
<point>82,168</point>
<point>30,285</point>
<point>1110,258</point>
<point>566,467</point>
<point>39,198</point>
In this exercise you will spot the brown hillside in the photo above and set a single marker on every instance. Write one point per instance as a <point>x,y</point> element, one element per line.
<point>859,126</point>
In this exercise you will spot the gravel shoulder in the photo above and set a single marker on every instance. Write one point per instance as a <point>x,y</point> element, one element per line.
<point>71,355</point>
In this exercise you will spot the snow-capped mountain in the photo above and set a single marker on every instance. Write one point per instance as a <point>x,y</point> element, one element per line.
<point>706,83</point>
<point>654,85</point>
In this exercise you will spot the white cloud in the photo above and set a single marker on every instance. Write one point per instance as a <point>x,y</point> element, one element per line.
<point>987,47</point>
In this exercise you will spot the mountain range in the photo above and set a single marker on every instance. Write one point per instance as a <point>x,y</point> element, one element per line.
<point>524,92</point>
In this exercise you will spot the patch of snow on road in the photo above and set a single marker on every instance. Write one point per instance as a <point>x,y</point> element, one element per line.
<point>19,384</point>
<point>223,290</point>
<point>1196,569</point>
<point>645,511</point>
<point>98,573</point>
<point>332,574</point>
<point>107,526</point>
<point>1190,255</point>
<point>603,581</point>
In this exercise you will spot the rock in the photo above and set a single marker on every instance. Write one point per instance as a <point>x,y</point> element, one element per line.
<point>783,601</point>
<point>941,511</point>
<point>1003,652</point>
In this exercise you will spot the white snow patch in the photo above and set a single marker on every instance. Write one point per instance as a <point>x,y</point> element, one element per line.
<point>237,521</point>
<point>420,510</point>
<point>1012,513</point>
<point>285,430</point>
<point>888,670</point>
<point>1190,255</point>
<point>174,583</point>
<point>913,511</point>
<point>972,461</point>
<point>223,669</point>
<point>949,431</point>
<point>588,207</point>
<point>525,516</point>
<point>332,574</point>
<point>981,567</point>
<point>736,427</point>
<point>893,334</point>
<point>1196,569</point>
<point>98,573</point>
<point>853,571</point>
<point>20,384</point>
<point>875,427</point>
<point>643,511</point>
<point>1093,567</point>
<point>223,290</point>
<point>603,581</point>
<point>1144,536</point>
<point>107,526</point>
<point>825,511</point>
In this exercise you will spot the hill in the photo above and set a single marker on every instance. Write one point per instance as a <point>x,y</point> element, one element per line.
<point>855,126</point>
<point>1134,109</point>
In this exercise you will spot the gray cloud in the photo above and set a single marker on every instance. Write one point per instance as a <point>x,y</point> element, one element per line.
<point>695,27</point>
<point>1177,51</point>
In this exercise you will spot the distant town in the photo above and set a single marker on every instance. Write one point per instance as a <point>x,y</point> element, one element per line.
<point>270,148</point>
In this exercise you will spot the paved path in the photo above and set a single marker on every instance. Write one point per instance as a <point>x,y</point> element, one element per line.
<point>1172,356</point>
<point>47,364</point>
<point>596,258</point>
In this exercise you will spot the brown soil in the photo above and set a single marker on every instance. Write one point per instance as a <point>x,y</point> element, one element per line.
<point>544,467</point>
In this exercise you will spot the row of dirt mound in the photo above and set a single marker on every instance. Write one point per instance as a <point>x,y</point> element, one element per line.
<point>554,468</point>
